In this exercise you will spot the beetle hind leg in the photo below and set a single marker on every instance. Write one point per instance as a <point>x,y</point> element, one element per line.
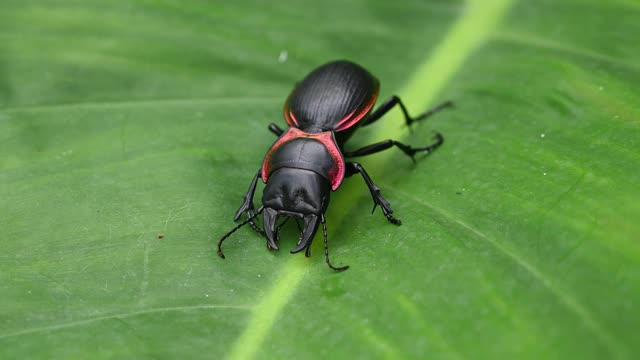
<point>393,101</point>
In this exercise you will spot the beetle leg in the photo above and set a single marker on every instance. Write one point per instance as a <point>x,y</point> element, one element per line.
<point>276,129</point>
<point>247,205</point>
<point>326,248</point>
<point>354,167</point>
<point>384,145</point>
<point>393,101</point>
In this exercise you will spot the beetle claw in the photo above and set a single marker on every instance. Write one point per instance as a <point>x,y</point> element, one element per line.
<point>310,227</point>
<point>270,217</point>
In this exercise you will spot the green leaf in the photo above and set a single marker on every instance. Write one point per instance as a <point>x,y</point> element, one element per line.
<point>130,132</point>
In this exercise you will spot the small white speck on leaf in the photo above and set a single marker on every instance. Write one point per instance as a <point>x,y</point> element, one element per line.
<point>282,58</point>
<point>542,135</point>
<point>206,295</point>
<point>545,174</point>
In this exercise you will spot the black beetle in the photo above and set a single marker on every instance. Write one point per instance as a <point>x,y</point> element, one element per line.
<point>307,161</point>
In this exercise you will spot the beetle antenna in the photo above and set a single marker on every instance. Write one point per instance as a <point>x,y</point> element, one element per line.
<point>326,248</point>
<point>249,219</point>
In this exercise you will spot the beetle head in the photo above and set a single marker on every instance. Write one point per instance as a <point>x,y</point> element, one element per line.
<point>297,193</point>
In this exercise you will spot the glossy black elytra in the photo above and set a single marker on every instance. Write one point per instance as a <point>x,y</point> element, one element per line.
<point>307,161</point>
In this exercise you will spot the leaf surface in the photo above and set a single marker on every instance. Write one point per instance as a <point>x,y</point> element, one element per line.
<point>129,133</point>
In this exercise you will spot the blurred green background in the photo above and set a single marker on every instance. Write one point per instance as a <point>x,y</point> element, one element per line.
<point>120,121</point>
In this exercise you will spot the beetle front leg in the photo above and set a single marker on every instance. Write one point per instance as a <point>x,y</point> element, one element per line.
<point>353,168</point>
<point>247,205</point>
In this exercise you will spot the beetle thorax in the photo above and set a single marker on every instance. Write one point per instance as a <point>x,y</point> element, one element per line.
<point>317,152</point>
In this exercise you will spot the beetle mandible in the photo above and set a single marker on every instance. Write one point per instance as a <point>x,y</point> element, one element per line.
<point>307,162</point>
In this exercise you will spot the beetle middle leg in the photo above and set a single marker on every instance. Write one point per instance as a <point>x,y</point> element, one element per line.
<point>407,149</point>
<point>353,168</point>
<point>393,101</point>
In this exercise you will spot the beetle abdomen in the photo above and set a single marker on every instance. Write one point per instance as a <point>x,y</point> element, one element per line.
<point>335,96</point>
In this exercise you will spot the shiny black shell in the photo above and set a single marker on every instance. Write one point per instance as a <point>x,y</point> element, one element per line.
<point>333,97</point>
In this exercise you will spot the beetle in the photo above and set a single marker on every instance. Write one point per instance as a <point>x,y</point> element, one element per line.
<point>307,161</point>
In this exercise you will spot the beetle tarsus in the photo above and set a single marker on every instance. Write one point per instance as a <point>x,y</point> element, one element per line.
<point>435,109</point>
<point>386,211</point>
<point>411,151</point>
<point>378,199</point>
<point>392,219</point>
<point>408,150</point>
